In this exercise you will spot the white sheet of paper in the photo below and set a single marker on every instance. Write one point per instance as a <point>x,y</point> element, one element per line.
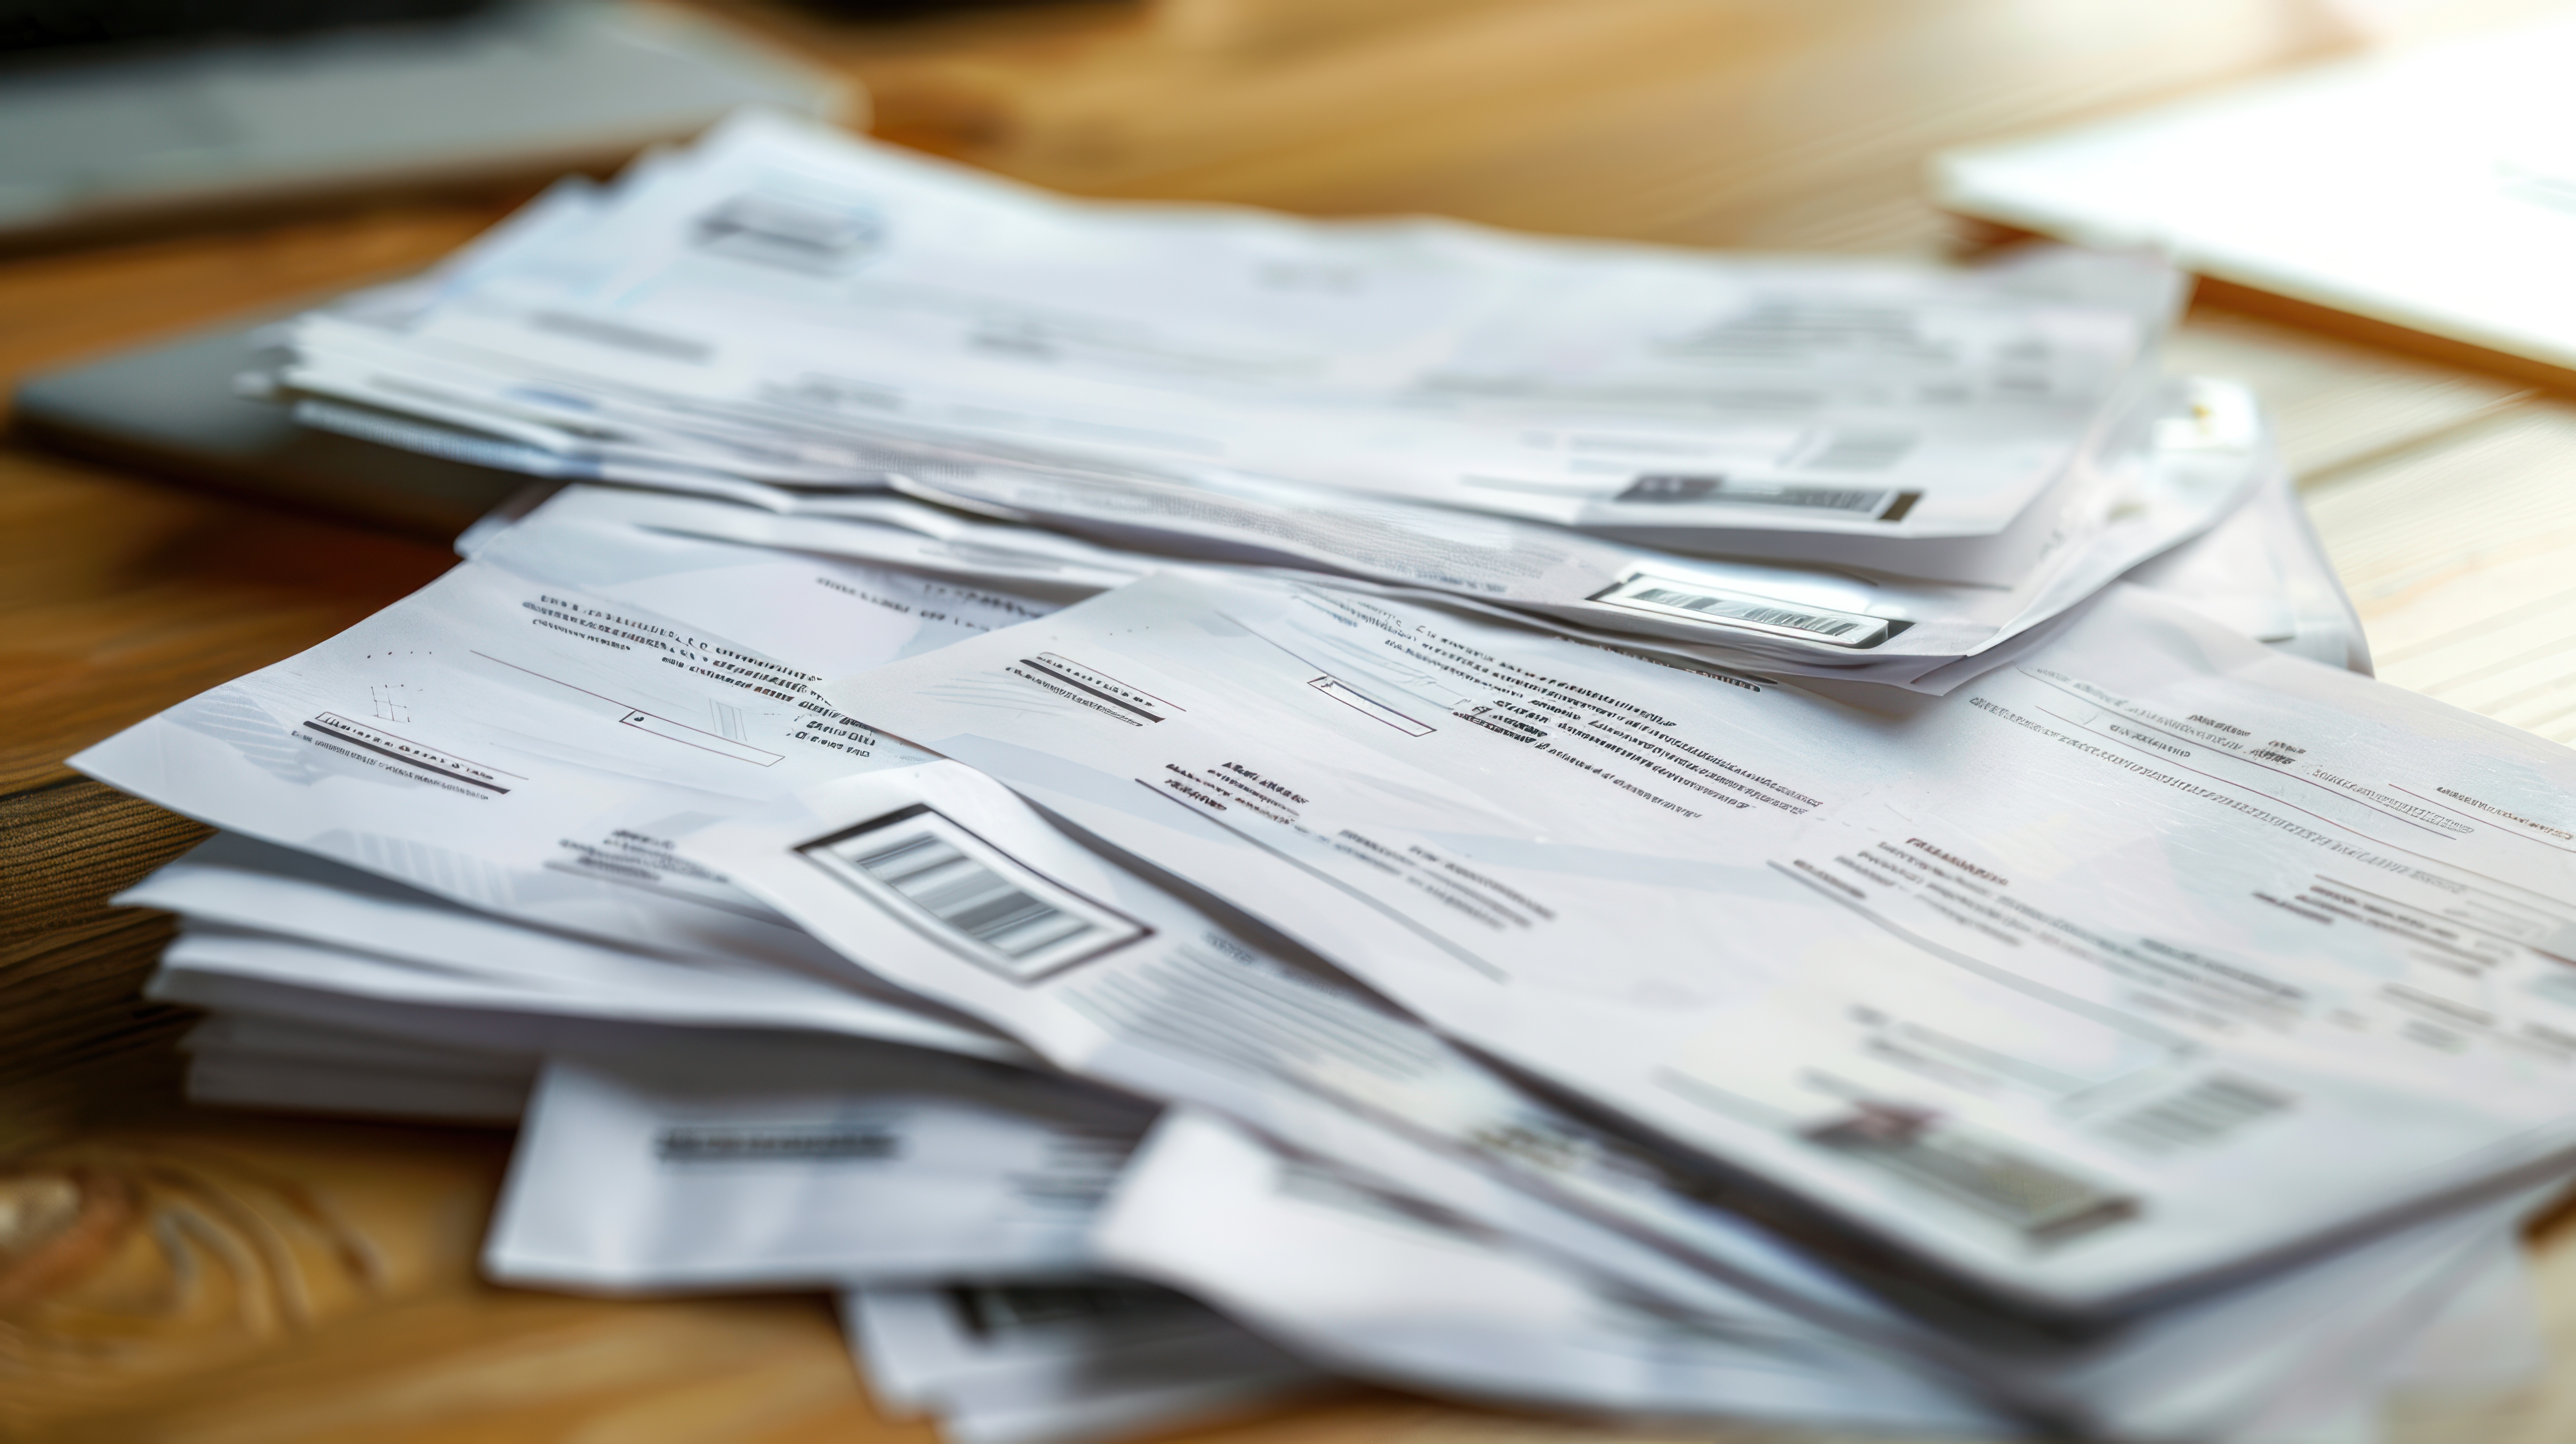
<point>1170,1004</point>
<point>2086,981</point>
<point>251,1060</point>
<point>2428,189</point>
<point>2194,465</point>
<point>1116,979</point>
<point>1395,1294</point>
<point>530,733</point>
<point>256,912</point>
<point>1020,1363</point>
<point>788,270</point>
<point>725,1162</point>
<point>1387,1291</point>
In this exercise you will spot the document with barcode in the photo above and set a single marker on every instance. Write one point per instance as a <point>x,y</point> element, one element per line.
<point>780,281</point>
<point>1220,1013</point>
<point>280,933</point>
<point>720,1160</point>
<point>532,733</point>
<point>2163,486</point>
<point>1060,1361</point>
<point>2089,980</point>
<point>1311,1258</point>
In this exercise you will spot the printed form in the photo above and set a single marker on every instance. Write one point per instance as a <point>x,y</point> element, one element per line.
<point>532,733</point>
<point>2087,979</point>
<point>785,273</point>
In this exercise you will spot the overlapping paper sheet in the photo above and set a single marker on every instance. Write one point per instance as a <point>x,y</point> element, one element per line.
<point>2150,957</point>
<point>2201,462</point>
<point>531,733</point>
<point>1120,980</point>
<point>1362,1282</point>
<point>2183,455</point>
<point>1027,1362</point>
<point>1911,465</point>
<point>572,811</point>
<point>1382,1288</point>
<point>763,303</point>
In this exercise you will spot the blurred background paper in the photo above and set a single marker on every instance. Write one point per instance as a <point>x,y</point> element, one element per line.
<point>2434,192</point>
<point>132,124</point>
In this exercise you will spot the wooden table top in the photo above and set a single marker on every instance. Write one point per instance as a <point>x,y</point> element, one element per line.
<point>170,1274</point>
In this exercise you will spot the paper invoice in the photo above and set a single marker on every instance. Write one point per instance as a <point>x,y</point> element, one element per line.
<point>1739,403</point>
<point>1052,1363</point>
<point>1115,978</point>
<point>1386,1288</point>
<point>2089,981</point>
<point>278,931</point>
<point>2190,454</point>
<point>729,1159</point>
<point>531,732</point>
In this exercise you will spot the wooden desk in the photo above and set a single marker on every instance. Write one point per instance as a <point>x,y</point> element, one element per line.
<point>287,1280</point>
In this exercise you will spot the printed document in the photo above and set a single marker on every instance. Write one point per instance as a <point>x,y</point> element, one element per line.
<point>1004,917</point>
<point>532,733</point>
<point>2146,958</point>
<point>722,1160</point>
<point>1027,1362</point>
<point>783,276</point>
<point>282,932</point>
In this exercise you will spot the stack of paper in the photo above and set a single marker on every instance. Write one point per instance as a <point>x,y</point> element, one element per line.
<point>1830,468</point>
<point>1173,956</point>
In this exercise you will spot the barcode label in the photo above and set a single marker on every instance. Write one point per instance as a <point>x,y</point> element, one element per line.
<point>971,896</point>
<point>2206,1113</point>
<point>1671,597</point>
<point>785,1143</point>
<point>996,1309</point>
<point>794,234</point>
<point>2044,1203</point>
<point>1871,503</point>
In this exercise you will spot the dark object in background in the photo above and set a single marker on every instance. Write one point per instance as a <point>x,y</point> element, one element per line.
<point>172,410</point>
<point>909,9</point>
<point>100,138</point>
<point>46,25</point>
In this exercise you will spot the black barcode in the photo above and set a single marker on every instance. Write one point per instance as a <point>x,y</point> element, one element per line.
<point>2047,1203</point>
<point>990,1309</point>
<point>788,233</point>
<point>1828,499</point>
<point>1666,489</point>
<point>1739,611</point>
<point>970,898</point>
<point>706,1144</point>
<point>960,890</point>
<point>2203,1113</point>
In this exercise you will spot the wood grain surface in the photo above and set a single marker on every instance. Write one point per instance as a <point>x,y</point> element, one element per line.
<point>181,1275</point>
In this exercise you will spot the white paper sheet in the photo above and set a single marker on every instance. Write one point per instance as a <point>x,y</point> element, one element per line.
<point>252,1060</point>
<point>1017,1363</point>
<point>531,733</point>
<point>1156,997</point>
<point>770,1161</point>
<point>784,272</point>
<point>258,913</point>
<point>1390,1291</point>
<point>2049,980</point>
<point>2427,189</point>
<point>1398,1294</point>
